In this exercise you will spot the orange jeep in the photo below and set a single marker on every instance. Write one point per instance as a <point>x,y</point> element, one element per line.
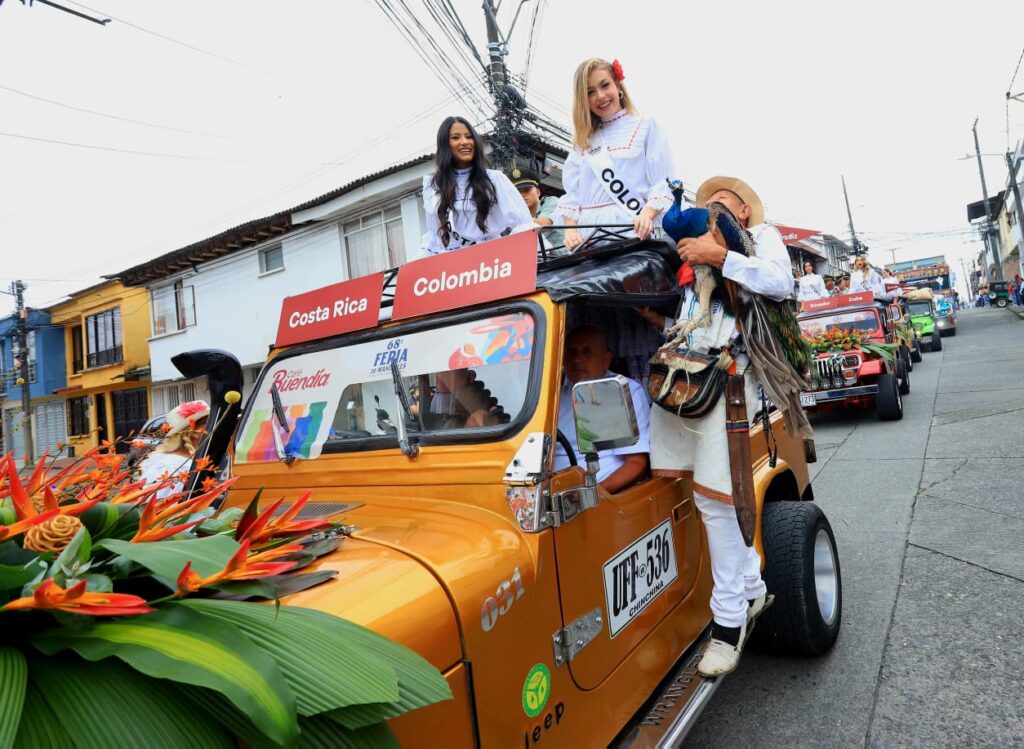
<point>421,406</point>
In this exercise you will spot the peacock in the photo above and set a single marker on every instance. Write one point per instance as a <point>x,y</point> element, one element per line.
<point>771,335</point>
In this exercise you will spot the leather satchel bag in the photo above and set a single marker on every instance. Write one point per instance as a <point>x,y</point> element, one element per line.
<point>688,383</point>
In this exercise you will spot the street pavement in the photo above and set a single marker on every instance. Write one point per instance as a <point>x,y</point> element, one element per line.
<point>928,514</point>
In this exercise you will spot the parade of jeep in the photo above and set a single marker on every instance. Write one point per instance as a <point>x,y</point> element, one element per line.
<point>560,615</point>
<point>855,376</point>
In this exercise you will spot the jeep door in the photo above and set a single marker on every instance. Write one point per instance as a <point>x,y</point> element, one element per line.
<point>632,559</point>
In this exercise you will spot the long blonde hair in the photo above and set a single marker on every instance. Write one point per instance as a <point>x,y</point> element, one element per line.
<point>173,443</point>
<point>584,121</point>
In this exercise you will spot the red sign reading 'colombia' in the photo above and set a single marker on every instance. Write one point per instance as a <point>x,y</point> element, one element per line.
<point>340,308</point>
<point>497,269</point>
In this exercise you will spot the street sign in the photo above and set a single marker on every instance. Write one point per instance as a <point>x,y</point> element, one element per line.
<point>331,310</point>
<point>497,269</point>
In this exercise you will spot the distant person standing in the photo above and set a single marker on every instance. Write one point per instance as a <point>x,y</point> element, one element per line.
<point>465,202</point>
<point>844,285</point>
<point>810,285</point>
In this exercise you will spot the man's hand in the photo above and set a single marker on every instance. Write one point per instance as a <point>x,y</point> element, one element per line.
<point>703,250</point>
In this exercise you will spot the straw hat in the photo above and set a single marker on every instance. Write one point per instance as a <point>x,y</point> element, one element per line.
<point>185,415</point>
<point>738,186</point>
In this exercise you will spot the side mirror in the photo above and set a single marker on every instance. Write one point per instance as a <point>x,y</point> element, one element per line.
<point>604,414</point>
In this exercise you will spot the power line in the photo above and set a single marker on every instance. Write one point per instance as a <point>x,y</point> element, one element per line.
<point>143,123</point>
<point>158,154</point>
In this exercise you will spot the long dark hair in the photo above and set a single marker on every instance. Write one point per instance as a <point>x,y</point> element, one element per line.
<point>480,185</point>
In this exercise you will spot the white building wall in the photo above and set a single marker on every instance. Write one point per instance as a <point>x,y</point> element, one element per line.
<point>237,308</point>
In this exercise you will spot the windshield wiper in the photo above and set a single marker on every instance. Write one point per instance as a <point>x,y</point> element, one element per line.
<point>408,448</point>
<point>278,415</point>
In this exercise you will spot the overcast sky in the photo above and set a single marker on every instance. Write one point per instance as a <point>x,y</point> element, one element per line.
<point>252,107</point>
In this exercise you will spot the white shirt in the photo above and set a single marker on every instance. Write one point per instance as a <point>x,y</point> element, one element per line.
<point>769,274</point>
<point>157,464</point>
<point>812,286</point>
<point>867,281</point>
<point>611,460</point>
<point>640,157</point>
<point>508,215</point>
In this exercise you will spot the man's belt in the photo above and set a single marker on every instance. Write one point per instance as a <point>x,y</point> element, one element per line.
<point>740,462</point>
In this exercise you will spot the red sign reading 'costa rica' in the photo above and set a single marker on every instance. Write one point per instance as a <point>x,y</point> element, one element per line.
<point>497,269</point>
<point>340,308</point>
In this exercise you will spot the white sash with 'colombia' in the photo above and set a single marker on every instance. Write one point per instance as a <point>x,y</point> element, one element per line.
<point>600,162</point>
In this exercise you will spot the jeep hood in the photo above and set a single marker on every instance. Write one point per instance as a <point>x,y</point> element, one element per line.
<point>389,592</point>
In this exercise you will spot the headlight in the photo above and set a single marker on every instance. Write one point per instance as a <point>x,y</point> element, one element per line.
<point>837,382</point>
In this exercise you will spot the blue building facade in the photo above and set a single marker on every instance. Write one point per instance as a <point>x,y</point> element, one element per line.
<point>47,375</point>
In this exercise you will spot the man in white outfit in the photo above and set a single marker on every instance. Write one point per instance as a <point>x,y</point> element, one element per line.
<point>698,448</point>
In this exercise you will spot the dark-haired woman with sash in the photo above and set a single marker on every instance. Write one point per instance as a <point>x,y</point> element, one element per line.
<point>465,202</point>
<point>620,162</point>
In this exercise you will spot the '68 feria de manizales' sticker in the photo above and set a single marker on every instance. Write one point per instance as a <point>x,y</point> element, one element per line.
<point>637,575</point>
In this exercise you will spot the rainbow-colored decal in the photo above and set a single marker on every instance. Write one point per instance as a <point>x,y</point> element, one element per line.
<point>508,338</point>
<point>257,443</point>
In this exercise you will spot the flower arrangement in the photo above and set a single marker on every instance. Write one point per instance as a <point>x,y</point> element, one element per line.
<point>113,592</point>
<point>839,339</point>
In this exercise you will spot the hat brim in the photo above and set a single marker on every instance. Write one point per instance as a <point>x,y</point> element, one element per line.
<point>739,187</point>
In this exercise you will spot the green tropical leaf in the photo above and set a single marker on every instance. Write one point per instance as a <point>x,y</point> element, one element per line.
<point>222,522</point>
<point>12,553</point>
<point>39,727</point>
<point>89,702</point>
<point>98,583</point>
<point>13,681</point>
<point>101,518</point>
<point>320,733</point>
<point>182,645</point>
<point>15,576</point>
<point>168,558</point>
<point>274,587</point>
<point>74,554</point>
<point>321,656</point>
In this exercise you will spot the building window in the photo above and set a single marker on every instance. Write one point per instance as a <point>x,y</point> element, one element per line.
<point>78,416</point>
<point>77,356</point>
<point>103,336</point>
<point>174,308</point>
<point>374,241</point>
<point>271,259</point>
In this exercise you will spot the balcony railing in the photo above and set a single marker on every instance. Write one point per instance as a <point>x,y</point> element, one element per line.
<point>9,377</point>
<point>105,357</point>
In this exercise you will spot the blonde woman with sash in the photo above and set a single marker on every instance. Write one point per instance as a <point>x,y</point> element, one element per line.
<point>620,162</point>
<point>465,202</point>
<point>864,277</point>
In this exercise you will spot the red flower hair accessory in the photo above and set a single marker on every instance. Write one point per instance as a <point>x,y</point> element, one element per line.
<point>617,71</point>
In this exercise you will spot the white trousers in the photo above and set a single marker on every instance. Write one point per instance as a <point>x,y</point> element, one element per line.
<point>735,567</point>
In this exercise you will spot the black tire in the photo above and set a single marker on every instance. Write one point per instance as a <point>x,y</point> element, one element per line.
<point>903,377</point>
<point>888,402</point>
<point>805,619</point>
<point>952,331</point>
<point>1001,302</point>
<point>915,353</point>
<point>905,355</point>
<point>936,341</point>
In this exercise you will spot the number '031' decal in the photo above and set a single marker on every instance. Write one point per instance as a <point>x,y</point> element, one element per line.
<point>508,592</point>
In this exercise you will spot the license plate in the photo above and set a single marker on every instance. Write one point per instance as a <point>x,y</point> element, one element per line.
<point>807,399</point>
<point>637,575</point>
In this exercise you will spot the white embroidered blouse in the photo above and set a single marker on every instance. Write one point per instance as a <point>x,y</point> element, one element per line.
<point>636,150</point>
<point>508,215</point>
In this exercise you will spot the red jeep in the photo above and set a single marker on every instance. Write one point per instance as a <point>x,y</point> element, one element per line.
<point>851,374</point>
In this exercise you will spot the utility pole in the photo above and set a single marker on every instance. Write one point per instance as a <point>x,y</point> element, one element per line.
<point>21,335</point>
<point>1012,167</point>
<point>990,240</point>
<point>849,215</point>
<point>504,134</point>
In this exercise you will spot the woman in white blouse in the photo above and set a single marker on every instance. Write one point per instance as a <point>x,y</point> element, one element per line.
<point>865,278</point>
<point>812,286</point>
<point>465,202</point>
<point>620,162</point>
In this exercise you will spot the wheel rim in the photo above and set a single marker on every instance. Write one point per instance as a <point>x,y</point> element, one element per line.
<point>826,580</point>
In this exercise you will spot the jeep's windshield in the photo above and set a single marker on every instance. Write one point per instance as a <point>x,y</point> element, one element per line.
<point>920,308</point>
<point>865,321</point>
<point>466,375</point>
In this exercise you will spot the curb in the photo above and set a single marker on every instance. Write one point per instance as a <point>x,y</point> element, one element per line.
<point>1018,311</point>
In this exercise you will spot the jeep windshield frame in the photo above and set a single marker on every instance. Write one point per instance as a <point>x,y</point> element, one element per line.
<point>465,435</point>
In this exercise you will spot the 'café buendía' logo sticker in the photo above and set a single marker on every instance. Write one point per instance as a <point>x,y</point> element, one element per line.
<point>536,690</point>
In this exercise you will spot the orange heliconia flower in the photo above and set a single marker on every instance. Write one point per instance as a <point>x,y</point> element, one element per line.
<point>266,527</point>
<point>75,600</point>
<point>241,566</point>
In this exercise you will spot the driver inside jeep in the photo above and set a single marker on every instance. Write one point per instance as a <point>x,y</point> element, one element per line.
<point>588,356</point>
<point>460,401</point>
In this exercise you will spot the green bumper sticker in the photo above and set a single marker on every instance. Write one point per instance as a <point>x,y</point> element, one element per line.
<point>536,690</point>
